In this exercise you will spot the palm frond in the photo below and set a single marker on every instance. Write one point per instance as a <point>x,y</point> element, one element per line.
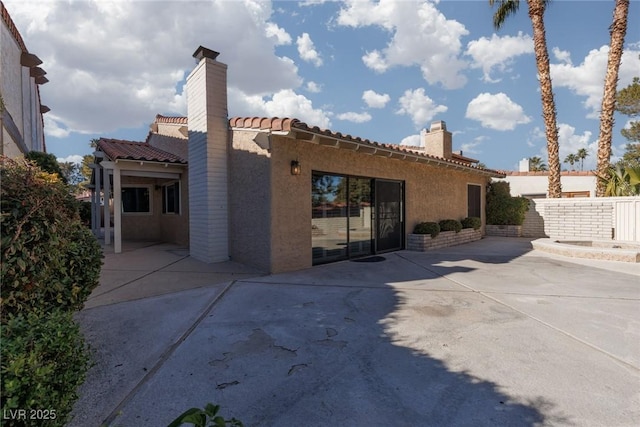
<point>505,8</point>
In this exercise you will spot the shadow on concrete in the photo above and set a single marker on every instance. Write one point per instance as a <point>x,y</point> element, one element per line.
<point>345,344</point>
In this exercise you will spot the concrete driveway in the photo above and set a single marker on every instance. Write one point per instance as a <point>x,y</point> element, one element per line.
<point>491,333</point>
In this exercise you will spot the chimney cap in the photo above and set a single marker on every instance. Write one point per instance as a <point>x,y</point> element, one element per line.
<point>439,125</point>
<point>202,52</point>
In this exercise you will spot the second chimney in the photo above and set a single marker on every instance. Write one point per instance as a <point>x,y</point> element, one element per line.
<point>437,140</point>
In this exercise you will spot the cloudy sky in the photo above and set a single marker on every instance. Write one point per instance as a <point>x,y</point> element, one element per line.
<point>381,70</point>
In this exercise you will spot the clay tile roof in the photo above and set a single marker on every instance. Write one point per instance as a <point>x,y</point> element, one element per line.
<point>288,124</point>
<point>12,27</point>
<point>133,150</point>
<point>168,119</point>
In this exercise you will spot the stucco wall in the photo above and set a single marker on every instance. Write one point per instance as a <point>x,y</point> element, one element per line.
<point>431,193</point>
<point>175,228</point>
<point>156,226</point>
<point>20,96</point>
<point>249,201</point>
<point>537,183</point>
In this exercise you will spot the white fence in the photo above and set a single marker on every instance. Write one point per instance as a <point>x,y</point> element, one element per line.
<point>627,219</point>
<point>602,218</point>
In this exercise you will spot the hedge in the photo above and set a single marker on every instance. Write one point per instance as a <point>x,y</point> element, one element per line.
<point>50,265</point>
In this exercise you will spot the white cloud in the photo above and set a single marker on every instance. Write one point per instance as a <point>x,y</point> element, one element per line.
<point>496,111</point>
<point>587,79</point>
<point>280,35</point>
<point>354,117</point>
<point>419,107</point>
<point>562,55</point>
<point>313,87</point>
<point>497,53</point>
<point>420,35</point>
<point>570,143</point>
<point>53,127</point>
<point>284,103</point>
<point>412,141</point>
<point>307,50</point>
<point>375,100</point>
<point>472,147</point>
<point>74,158</point>
<point>110,67</point>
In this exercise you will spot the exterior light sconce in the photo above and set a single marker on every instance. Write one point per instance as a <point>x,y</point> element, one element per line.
<point>295,167</point>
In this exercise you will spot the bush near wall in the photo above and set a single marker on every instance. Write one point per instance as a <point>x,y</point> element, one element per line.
<point>472,222</point>
<point>450,225</point>
<point>431,228</point>
<point>50,265</point>
<point>502,208</point>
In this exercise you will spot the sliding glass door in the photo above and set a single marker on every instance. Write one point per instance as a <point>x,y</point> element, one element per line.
<point>347,221</point>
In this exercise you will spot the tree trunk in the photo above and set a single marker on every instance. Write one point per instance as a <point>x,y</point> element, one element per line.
<point>536,13</point>
<point>618,31</point>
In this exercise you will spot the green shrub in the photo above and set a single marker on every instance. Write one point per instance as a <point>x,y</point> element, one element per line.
<point>472,222</point>
<point>49,259</point>
<point>50,265</point>
<point>47,162</point>
<point>450,225</point>
<point>84,209</point>
<point>44,360</point>
<point>431,228</point>
<point>502,209</point>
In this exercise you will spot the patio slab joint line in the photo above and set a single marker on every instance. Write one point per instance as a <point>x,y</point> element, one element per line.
<point>137,278</point>
<point>487,295</point>
<point>165,356</point>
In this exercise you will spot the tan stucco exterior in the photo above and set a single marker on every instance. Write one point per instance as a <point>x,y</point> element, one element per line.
<point>156,226</point>
<point>271,208</point>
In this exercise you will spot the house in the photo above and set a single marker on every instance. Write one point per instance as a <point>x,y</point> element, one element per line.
<point>21,123</point>
<point>277,193</point>
<point>534,184</point>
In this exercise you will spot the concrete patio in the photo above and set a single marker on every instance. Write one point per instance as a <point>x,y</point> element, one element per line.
<point>489,333</point>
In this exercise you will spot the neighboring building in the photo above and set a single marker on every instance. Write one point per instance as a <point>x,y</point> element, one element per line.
<point>22,127</point>
<point>277,193</point>
<point>535,184</point>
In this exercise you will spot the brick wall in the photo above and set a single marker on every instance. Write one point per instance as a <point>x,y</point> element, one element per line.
<point>424,242</point>
<point>577,218</point>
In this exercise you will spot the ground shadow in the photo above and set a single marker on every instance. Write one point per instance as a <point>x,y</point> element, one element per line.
<point>301,349</point>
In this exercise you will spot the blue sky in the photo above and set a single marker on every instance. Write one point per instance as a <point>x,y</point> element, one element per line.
<point>378,70</point>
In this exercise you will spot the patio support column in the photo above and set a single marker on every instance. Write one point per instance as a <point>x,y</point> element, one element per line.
<point>107,213</point>
<point>117,210</point>
<point>93,203</point>
<point>98,190</point>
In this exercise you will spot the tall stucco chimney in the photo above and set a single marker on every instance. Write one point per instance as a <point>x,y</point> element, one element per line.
<point>208,146</point>
<point>438,140</point>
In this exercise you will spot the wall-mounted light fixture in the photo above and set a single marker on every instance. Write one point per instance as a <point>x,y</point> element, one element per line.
<point>295,167</point>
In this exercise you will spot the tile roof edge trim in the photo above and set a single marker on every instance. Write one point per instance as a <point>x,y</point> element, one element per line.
<point>294,125</point>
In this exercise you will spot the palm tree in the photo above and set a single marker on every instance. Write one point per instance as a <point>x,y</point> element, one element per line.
<point>571,159</point>
<point>581,155</point>
<point>536,164</point>
<point>618,31</point>
<point>536,14</point>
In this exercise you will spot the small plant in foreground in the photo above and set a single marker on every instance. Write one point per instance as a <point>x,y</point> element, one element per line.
<point>207,417</point>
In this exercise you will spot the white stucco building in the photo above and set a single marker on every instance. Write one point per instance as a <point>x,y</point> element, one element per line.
<point>535,184</point>
<point>21,123</point>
